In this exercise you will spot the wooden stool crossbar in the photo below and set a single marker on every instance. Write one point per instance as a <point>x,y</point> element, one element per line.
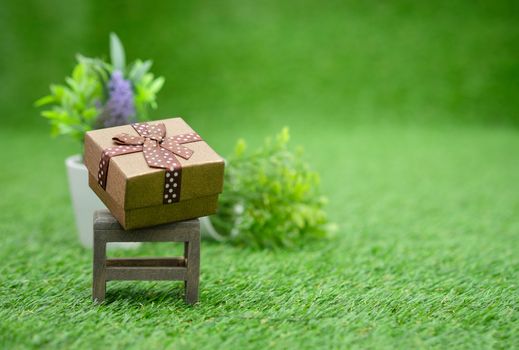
<point>185,268</point>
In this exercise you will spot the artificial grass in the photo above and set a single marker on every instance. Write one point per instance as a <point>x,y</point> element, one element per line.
<point>407,109</point>
<point>426,256</point>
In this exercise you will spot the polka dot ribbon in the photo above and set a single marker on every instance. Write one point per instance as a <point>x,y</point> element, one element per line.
<point>159,152</point>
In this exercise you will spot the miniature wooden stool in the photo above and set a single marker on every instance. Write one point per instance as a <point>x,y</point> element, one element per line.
<point>185,268</point>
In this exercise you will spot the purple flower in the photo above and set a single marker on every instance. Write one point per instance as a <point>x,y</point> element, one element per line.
<point>119,108</point>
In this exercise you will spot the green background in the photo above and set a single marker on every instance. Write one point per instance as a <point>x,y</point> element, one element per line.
<point>409,111</point>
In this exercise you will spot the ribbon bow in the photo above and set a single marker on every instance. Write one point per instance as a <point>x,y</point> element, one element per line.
<point>159,152</point>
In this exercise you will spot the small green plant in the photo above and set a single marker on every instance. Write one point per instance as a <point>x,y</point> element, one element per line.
<point>101,94</point>
<point>271,198</point>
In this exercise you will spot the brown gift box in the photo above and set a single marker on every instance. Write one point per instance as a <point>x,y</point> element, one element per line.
<point>135,191</point>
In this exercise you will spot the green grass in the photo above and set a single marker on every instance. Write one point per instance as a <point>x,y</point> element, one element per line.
<point>426,256</point>
<point>409,111</point>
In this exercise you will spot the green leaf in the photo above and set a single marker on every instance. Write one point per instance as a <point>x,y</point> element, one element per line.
<point>90,113</point>
<point>99,66</point>
<point>284,136</point>
<point>138,70</point>
<point>240,147</point>
<point>279,196</point>
<point>45,100</point>
<point>75,105</point>
<point>50,114</point>
<point>117,53</point>
<point>79,72</point>
<point>146,79</point>
<point>61,117</point>
<point>58,91</point>
<point>157,85</point>
<point>73,84</point>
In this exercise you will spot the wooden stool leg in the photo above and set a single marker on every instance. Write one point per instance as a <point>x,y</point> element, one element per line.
<point>192,248</point>
<point>99,276</point>
<point>186,253</point>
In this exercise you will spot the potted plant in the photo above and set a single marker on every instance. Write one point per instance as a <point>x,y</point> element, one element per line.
<point>271,198</point>
<point>98,94</point>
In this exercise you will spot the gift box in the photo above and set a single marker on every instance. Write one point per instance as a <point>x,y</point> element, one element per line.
<point>153,173</point>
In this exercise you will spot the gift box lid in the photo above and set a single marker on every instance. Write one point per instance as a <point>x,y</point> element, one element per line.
<point>132,183</point>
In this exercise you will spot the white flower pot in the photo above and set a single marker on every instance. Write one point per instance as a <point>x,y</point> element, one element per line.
<point>207,229</point>
<point>85,202</point>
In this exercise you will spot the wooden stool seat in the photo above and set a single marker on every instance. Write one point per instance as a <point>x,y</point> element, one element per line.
<point>185,268</point>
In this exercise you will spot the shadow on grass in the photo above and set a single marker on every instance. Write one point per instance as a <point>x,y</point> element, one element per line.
<point>137,293</point>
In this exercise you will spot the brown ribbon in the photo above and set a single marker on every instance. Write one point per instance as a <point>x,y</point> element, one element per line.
<point>159,152</point>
